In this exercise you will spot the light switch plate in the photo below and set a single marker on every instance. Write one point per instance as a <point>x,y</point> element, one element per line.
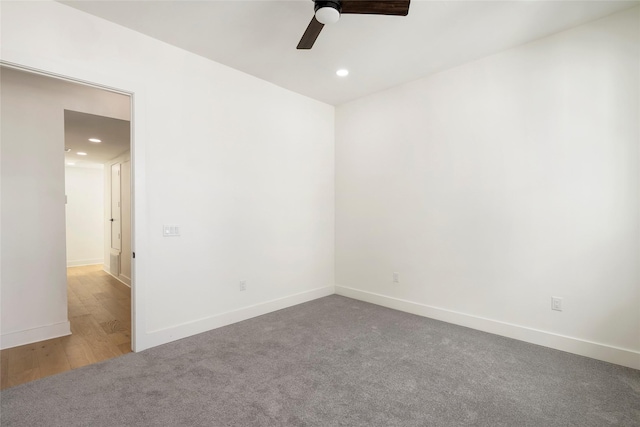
<point>170,230</point>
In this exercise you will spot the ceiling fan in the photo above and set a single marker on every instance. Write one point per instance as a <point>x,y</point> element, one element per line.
<point>328,12</point>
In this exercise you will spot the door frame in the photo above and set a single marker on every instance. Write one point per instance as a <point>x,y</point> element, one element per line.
<point>136,93</point>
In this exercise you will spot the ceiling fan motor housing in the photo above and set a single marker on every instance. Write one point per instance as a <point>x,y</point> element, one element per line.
<point>327,11</point>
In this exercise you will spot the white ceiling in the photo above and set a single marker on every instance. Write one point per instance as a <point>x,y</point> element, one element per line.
<point>260,37</point>
<point>79,127</point>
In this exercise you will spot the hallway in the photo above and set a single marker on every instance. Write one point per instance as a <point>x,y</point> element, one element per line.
<point>100,316</point>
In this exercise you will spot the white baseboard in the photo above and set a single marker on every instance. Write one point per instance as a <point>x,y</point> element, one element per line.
<point>163,336</point>
<point>28,336</point>
<point>124,279</point>
<point>607,353</point>
<point>82,262</point>
<point>119,279</point>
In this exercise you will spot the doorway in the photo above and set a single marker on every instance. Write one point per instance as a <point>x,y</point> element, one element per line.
<point>98,161</point>
<point>65,283</point>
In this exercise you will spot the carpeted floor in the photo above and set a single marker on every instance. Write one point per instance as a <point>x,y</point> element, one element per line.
<point>335,362</point>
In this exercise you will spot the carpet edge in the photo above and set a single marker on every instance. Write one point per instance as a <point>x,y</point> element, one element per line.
<point>184,330</point>
<point>607,353</point>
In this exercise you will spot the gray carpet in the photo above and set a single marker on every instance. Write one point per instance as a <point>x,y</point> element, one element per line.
<point>335,362</point>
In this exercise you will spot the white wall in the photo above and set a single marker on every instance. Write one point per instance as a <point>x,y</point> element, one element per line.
<point>34,289</point>
<point>84,188</point>
<point>244,167</point>
<point>496,185</point>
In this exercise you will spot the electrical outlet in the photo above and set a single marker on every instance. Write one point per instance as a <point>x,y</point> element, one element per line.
<point>556,303</point>
<point>243,285</point>
<point>396,277</point>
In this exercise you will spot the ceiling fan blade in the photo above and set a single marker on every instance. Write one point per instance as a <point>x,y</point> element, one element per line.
<point>380,7</point>
<point>311,34</point>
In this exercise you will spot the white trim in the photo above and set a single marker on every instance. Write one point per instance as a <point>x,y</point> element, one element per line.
<point>83,262</point>
<point>119,279</point>
<point>28,336</point>
<point>124,279</point>
<point>607,353</point>
<point>163,336</point>
<point>44,71</point>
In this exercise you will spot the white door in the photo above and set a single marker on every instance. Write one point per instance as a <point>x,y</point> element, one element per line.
<point>116,223</point>
<point>125,229</point>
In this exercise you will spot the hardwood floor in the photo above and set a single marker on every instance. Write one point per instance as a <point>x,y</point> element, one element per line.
<point>100,317</point>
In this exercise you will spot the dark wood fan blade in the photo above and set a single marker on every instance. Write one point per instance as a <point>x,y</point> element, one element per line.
<point>311,34</point>
<point>381,7</point>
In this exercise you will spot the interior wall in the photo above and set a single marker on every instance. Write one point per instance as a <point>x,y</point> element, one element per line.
<point>84,188</point>
<point>245,168</point>
<point>33,271</point>
<point>493,187</point>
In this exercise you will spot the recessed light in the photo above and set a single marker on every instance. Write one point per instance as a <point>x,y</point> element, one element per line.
<point>94,140</point>
<point>81,153</point>
<point>342,72</point>
<point>71,163</point>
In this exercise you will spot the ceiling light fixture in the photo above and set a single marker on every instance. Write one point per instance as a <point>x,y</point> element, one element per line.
<point>327,12</point>
<point>81,153</point>
<point>94,140</point>
<point>342,72</point>
<point>71,163</point>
